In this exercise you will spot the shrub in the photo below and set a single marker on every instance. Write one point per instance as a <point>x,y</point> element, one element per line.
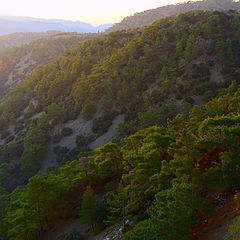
<point>83,140</point>
<point>59,150</point>
<point>89,109</point>
<point>9,139</point>
<point>66,132</point>
<point>20,136</point>
<point>149,118</point>
<point>31,111</point>
<point>189,100</point>
<point>156,96</point>
<point>18,128</point>
<point>172,108</point>
<point>102,123</point>
<point>5,134</point>
<point>71,113</point>
<point>57,138</point>
<point>3,123</point>
<point>55,112</point>
<point>208,95</point>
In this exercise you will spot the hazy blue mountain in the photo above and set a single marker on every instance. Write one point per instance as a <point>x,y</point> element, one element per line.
<point>103,27</point>
<point>12,24</point>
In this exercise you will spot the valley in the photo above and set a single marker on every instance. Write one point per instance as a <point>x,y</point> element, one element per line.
<point>132,132</point>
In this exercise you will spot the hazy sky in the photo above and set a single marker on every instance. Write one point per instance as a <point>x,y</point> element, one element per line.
<point>92,11</point>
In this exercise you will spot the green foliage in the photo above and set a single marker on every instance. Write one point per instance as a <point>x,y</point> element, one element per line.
<point>3,123</point>
<point>152,177</point>
<point>186,107</point>
<point>150,117</point>
<point>102,123</point>
<point>234,230</point>
<point>118,212</point>
<point>66,132</point>
<point>83,141</point>
<point>89,109</point>
<point>11,150</point>
<point>55,112</point>
<point>34,146</point>
<point>115,70</point>
<point>5,175</point>
<point>171,215</point>
<point>31,110</point>
<point>156,176</point>
<point>190,51</point>
<point>30,210</point>
<point>88,206</point>
<point>108,160</point>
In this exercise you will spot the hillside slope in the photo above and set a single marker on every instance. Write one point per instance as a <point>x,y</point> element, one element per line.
<point>145,76</point>
<point>20,38</point>
<point>150,16</point>
<point>164,182</point>
<point>161,175</point>
<point>20,61</point>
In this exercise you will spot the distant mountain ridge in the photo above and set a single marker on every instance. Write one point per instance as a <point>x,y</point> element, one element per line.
<point>12,24</point>
<point>149,16</point>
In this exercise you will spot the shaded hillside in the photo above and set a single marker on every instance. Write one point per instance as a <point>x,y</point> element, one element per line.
<point>150,16</point>
<point>18,39</point>
<point>12,24</point>
<point>20,61</point>
<point>163,182</point>
<point>147,76</point>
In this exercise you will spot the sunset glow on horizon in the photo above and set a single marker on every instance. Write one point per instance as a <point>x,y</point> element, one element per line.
<point>92,11</point>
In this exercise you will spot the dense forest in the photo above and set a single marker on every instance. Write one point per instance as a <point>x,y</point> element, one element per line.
<point>158,179</point>
<point>149,16</point>
<point>176,83</point>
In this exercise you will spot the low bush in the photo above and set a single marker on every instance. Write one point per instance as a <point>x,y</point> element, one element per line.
<point>66,132</point>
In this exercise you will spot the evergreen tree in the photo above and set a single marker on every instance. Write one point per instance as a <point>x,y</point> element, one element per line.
<point>88,207</point>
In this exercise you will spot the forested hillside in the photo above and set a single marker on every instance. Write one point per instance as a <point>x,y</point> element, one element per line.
<point>160,183</point>
<point>150,16</point>
<point>151,89</point>
<point>17,62</point>
<point>146,75</point>
<point>20,38</point>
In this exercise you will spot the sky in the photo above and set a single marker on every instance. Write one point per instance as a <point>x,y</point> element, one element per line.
<point>95,12</point>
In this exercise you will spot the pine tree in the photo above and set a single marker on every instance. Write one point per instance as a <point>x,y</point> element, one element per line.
<point>88,207</point>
